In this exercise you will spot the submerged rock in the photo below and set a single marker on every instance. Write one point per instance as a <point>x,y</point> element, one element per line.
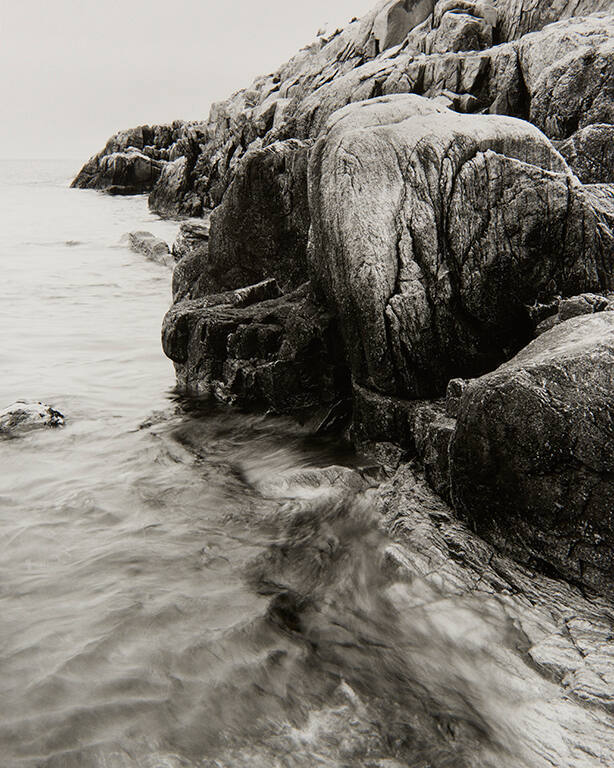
<point>532,457</point>
<point>152,247</point>
<point>24,416</point>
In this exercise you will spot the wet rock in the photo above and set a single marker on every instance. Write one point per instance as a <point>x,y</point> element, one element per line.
<point>421,300</point>
<point>590,153</point>
<point>245,347</point>
<point>531,461</point>
<point>565,637</point>
<point>24,416</point>
<point>150,246</point>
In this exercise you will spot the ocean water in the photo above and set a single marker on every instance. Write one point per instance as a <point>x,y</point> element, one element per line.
<point>187,586</point>
<point>142,613</point>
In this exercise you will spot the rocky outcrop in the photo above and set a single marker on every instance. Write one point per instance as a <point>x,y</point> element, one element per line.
<point>568,69</point>
<point>261,227</point>
<point>590,154</point>
<point>120,173</point>
<point>131,161</point>
<point>531,460</point>
<point>420,299</point>
<point>255,347</point>
<point>392,218</point>
<point>479,56</point>
<point>24,416</point>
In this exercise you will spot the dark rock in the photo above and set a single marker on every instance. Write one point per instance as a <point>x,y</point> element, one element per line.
<point>420,299</point>
<point>532,458</point>
<point>261,227</point>
<point>590,153</point>
<point>152,247</point>
<point>24,416</point>
<point>193,236</point>
<point>246,348</point>
<point>119,173</point>
<point>454,393</point>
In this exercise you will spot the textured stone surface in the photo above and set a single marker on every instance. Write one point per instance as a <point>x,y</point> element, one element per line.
<point>420,299</point>
<point>193,235</point>
<point>568,69</point>
<point>152,247</point>
<point>24,416</point>
<point>260,229</point>
<point>252,346</point>
<point>590,153</point>
<point>531,460</point>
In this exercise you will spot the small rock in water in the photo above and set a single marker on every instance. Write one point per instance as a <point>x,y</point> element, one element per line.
<point>152,247</point>
<point>23,416</point>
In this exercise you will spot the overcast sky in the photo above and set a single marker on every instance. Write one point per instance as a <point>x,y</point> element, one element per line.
<point>76,71</point>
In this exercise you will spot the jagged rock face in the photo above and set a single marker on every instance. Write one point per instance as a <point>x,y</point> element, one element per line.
<point>532,457</point>
<point>131,161</point>
<point>254,347</point>
<point>260,230</point>
<point>568,69</point>
<point>120,173</point>
<point>590,154</point>
<point>480,57</point>
<point>420,298</point>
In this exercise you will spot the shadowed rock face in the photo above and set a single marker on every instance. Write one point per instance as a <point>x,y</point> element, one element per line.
<point>421,297</point>
<point>590,154</point>
<point>261,227</point>
<point>254,347</point>
<point>532,457</point>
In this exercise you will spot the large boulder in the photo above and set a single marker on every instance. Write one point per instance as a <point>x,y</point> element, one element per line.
<point>261,228</point>
<point>532,457</point>
<point>420,298</point>
<point>568,69</point>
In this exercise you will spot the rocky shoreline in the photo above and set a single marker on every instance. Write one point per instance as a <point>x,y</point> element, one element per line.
<point>407,232</point>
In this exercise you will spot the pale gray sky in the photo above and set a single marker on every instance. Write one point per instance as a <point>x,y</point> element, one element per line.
<point>75,71</point>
